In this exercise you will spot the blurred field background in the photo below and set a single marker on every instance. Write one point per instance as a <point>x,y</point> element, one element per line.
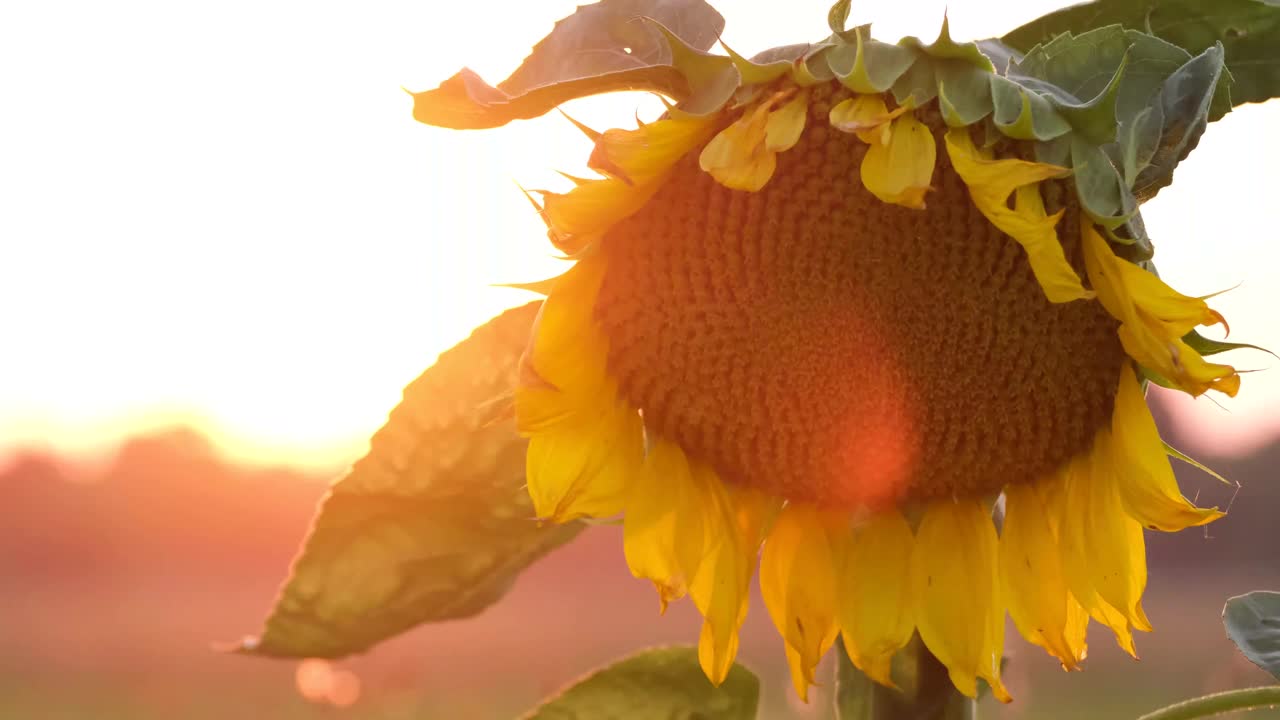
<point>120,577</point>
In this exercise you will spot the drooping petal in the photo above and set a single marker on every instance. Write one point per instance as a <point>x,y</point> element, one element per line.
<point>798,582</point>
<point>1103,549</point>
<point>901,171</point>
<point>1153,318</point>
<point>786,124</point>
<point>990,183</point>
<point>581,216</point>
<point>957,600</point>
<point>738,518</point>
<point>1031,570</point>
<point>737,157</point>
<point>866,116</point>
<point>874,593</point>
<point>664,533</point>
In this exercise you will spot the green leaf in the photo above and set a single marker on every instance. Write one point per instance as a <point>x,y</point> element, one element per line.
<point>1253,624</point>
<point>1184,102</point>
<point>1249,31</point>
<point>662,683</point>
<point>433,523</point>
<point>603,47</point>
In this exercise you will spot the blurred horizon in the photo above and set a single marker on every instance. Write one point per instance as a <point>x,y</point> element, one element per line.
<point>123,574</point>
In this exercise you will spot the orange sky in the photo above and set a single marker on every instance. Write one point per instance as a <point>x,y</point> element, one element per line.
<point>225,213</point>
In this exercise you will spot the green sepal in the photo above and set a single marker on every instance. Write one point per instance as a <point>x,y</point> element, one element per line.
<point>1100,78</point>
<point>944,48</point>
<point>712,78</point>
<point>1137,140</point>
<point>753,73</point>
<point>1055,152</point>
<point>838,16</point>
<point>1183,107</point>
<point>598,49</point>
<point>1206,346</point>
<point>1022,114</point>
<point>1136,246</point>
<point>1102,191</point>
<point>918,85</point>
<point>813,68</point>
<point>1147,374</point>
<point>1249,31</point>
<point>868,66</point>
<point>964,93</point>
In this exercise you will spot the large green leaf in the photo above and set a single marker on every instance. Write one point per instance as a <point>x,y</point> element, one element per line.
<point>433,523</point>
<point>603,47</point>
<point>1253,624</point>
<point>664,683</point>
<point>1249,31</point>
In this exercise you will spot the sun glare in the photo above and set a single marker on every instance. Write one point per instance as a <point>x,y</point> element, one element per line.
<point>235,223</point>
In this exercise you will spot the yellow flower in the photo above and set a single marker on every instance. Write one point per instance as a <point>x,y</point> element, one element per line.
<point>783,363</point>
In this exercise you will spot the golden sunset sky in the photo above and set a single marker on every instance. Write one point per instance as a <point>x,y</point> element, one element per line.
<point>224,214</point>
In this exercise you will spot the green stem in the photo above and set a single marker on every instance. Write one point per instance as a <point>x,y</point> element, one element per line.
<point>925,693</point>
<point>1210,705</point>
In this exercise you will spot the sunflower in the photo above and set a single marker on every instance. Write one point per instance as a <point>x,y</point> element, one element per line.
<point>825,314</point>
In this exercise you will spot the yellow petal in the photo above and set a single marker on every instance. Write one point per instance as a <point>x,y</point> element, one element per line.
<point>786,124</point>
<point>664,536</point>
<point>866,116</point>
<point>581,469</point>
<point>1145,478</point>
<point>644,155</point>
<point>990,183</point>
<point>568,351</point>
<point>594,206</point>
<point>737,157</point>
<point>737,517</point>
<point>874,591</point>
<point>901,171</point>
<point>1153,319</point>
<point>798,583</point>
<point>958,609</point>
<point>1031,570</point>
<point>1103,549</point>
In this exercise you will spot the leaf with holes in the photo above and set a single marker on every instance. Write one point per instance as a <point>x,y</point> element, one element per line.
<point>433,523</point>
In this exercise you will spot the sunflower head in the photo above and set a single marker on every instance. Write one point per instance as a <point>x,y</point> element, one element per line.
<point>840,297</point>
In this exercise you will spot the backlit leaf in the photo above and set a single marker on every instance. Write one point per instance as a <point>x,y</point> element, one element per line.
<point>665,683</point>
<point>604,47</point>
<point>433,523</point>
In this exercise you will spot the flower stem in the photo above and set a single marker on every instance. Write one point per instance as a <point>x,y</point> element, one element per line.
<point>925,693</point>
<point>1210,705</point>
